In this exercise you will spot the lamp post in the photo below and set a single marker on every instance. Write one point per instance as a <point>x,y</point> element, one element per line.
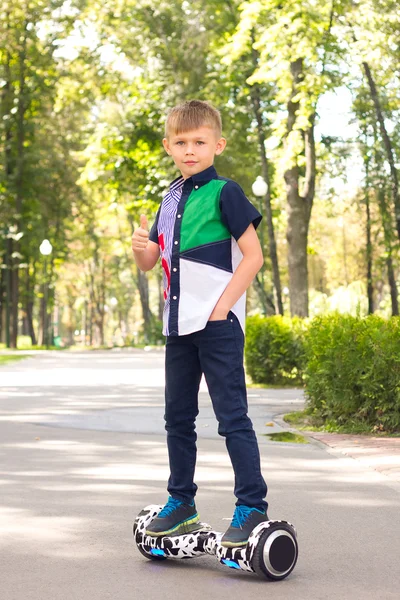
<point>260,189</point>
<point>45,250</point>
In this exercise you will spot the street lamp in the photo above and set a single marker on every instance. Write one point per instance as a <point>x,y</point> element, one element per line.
<point>259,187</point>
<point>45,250</point>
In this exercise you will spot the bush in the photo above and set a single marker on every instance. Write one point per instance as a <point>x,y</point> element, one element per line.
<point>274,350</point>
<point>353,370</point>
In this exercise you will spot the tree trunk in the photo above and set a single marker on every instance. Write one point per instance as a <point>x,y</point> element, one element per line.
<point>19,175</point>
<point>14,298</point>
<point>85,321</point>
<point>97,297</point>
<point>29,317</point>
<point>71,324</point>
<point>370,289</point>
<point>385,215</point>
<point>299,206</point>
<point>42,316</point>
<point>143,287</point>
<point>387,144</point>
<point>100,327</point>
<point>2,301</point>
<point>100,304</point>
<point>7,102</point>
<point>256,102</point>
<point>91,318</point>
<point>29,303</point>
<point>8,291</point>
<point>267,301</point>
<point>393,287</point>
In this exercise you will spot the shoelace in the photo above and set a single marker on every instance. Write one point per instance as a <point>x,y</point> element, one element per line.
<point>171,505</point>
<point>241,515</point>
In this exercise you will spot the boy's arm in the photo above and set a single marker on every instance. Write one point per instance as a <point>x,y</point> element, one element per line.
<point>243,276</point>
<point>145,251</point>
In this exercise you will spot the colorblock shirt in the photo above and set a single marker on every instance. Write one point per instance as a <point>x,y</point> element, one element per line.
<point>197,227</point>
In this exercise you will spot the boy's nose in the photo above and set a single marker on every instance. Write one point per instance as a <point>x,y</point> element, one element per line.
<point>189,150</point>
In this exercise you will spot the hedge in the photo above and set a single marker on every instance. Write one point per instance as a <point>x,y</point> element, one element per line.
<point>353,370</point>
<point>274,350</point>
<point>350,366</point>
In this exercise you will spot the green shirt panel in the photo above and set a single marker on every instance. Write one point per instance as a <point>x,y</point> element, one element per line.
<point>201,221</point>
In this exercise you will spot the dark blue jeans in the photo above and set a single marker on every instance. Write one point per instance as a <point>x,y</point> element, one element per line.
<point>216,351</point>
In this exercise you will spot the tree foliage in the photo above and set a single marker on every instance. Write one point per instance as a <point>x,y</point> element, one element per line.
<point>85,87</point>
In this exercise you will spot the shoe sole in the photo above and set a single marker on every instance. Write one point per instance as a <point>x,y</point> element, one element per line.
<point>186,527</point>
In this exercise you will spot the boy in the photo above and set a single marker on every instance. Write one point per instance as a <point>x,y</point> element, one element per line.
<point>205,233</point>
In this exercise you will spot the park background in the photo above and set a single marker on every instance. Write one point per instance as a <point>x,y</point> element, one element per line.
<point>309,96</point>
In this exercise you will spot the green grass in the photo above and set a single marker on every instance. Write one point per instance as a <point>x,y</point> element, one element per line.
<point>270,386</point>
<point>286,436</point>
<point>6,358</point>
<point>305,420</point>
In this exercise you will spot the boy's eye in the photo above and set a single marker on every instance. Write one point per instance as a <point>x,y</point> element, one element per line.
<point>199,143</point>
<point>179,143</point>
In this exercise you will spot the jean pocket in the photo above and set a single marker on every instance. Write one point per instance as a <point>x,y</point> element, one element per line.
<point>218,321</point>
<point>229,319</point>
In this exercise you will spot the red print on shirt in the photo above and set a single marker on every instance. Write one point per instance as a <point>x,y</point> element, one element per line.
<point>164,264</point>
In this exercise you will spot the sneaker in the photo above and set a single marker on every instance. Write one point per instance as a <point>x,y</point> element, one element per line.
<point>244,521</point>
<point>175,518</point>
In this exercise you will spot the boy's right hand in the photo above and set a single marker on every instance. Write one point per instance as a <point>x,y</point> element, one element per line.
<point>140,237</point>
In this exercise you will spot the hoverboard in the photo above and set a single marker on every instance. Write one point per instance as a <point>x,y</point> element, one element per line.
<point>270,552</point>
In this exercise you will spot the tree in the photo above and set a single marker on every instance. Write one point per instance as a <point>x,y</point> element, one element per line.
<point>292,40</point>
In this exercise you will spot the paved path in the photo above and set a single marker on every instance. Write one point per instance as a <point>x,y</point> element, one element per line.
<point>379,453</point>
<point>82,452</point>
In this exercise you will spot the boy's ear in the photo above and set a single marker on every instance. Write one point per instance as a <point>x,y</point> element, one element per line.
<point>166,146</point>
<point>220,146</point>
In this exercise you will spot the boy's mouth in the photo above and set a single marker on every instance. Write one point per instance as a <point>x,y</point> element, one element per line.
<point>190,162</point>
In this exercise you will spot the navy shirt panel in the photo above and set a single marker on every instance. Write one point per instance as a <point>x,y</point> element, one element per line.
<point>237,212</point>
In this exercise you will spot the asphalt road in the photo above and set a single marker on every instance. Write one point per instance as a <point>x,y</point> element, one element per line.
<point>82,451</point>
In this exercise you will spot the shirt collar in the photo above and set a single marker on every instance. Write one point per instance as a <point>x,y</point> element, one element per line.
<point>205,176</point>
<point>176,183</point>
<point>201,178</point>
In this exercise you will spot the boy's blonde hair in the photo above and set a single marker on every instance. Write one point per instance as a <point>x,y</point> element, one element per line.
<point>192,115</point>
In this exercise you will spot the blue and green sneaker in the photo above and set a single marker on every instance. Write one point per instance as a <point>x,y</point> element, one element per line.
<point>245,519</point>
<point>175,518</point>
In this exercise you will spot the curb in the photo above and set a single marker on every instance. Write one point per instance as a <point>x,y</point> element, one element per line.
<point>337,452</point>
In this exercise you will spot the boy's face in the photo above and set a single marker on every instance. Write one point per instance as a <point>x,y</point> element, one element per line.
<point>193,151</point>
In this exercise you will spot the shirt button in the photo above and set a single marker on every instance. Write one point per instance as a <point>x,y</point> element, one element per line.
<point>176,242</point>
<point>196,187</point>
<point>175,269</point>
<point>179,216</point>
<point>173,297</point>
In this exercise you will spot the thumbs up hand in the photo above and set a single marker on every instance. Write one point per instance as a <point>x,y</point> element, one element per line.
<point>140,237</point>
